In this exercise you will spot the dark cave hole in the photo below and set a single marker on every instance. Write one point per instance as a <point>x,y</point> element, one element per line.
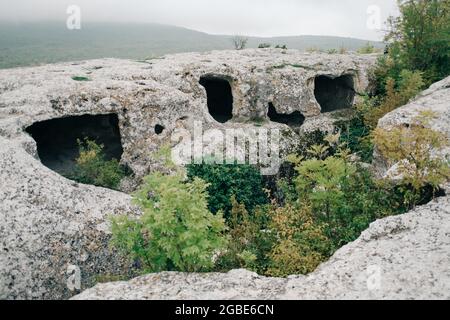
<point>159,129</point>
<point>57,143</point>
<point>220,97</point>
<point>295,119</point>
<point>334,93</point>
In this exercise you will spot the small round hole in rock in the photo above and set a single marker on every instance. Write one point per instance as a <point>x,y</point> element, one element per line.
<point>159,129</point>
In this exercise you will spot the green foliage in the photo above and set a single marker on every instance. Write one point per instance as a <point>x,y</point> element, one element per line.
<point>281,46</point>
<point>92,167</point>
<point>420,38</point>
<point>250,242</point>
<point>332,51</point>
<point>397,93</point>
<point>301,244</point>
<point>412,148</point>
<point>344,197</point>
<point>242,181</point>
<point>356,136</point>
<point>264,45</point>
<point>176,230</point>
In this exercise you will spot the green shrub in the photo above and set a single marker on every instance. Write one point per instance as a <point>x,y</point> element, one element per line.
<point>412,148</point>
<point>92,168</point>
<point>249,240</point>
<point>301,244</point>
<point>242,181</point>
<point>356,135</point>
<point>176,232</point>
<point>264,45</point>
<point>420,38</point>
<point>343,196</point>
<point>397,94</point>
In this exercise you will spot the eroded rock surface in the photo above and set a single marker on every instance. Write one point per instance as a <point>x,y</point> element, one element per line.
<point>401,257</point>
<point>49,224</point>
<point>152,98</point>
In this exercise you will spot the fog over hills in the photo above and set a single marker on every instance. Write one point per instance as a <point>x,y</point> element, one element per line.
<point>36,43</point>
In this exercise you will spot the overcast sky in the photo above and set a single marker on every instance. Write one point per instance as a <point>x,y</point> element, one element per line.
<point>250,17</point>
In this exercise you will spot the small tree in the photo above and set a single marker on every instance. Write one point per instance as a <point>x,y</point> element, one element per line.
<point>422,34</point>
<point>239,42</point>
<point>177,232</point>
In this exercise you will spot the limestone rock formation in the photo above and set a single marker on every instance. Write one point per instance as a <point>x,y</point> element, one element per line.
<point>435,99</point>
<point>53,231</point>
<point>400,257</point>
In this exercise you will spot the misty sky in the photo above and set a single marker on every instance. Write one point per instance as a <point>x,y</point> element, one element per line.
<point>250,17</point>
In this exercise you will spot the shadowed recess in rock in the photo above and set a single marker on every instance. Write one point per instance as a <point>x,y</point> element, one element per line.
<point>334,93</point>
<point>57,144</point>
<point>295,119</point>
<point>220,97</point>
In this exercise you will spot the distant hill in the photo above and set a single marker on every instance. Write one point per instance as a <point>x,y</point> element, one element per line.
<point>48,42</point>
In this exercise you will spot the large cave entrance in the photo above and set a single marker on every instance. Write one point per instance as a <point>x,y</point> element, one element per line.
<point>220,97</point>
<point>334,93</point>
<point>57,143</point>
<point>295,119</point>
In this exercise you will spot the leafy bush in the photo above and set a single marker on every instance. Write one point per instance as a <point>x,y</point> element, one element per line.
<point>264,45</point>
<point>332,51</point>
<point>250,242</point>
<point>413,149</point>
<point>409,85</point>
<point>92,167</point>
<point>356,135</point>
<point>420,38</point>
<point>343,196</point>
<point>301,244</point>
<point>176,230</point>
<point>242,181</point>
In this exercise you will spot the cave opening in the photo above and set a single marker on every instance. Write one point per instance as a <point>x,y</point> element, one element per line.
<point>57,139</point>
<point>219,96</point>
<point>334,93</point>
<point>295,119</point>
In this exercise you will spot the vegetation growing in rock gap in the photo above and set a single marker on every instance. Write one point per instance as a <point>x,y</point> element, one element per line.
<point>176,232</point>
<point>244,182</point>
<point>414,150</point>
<point>92,168</point>
<point>327,197</point>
